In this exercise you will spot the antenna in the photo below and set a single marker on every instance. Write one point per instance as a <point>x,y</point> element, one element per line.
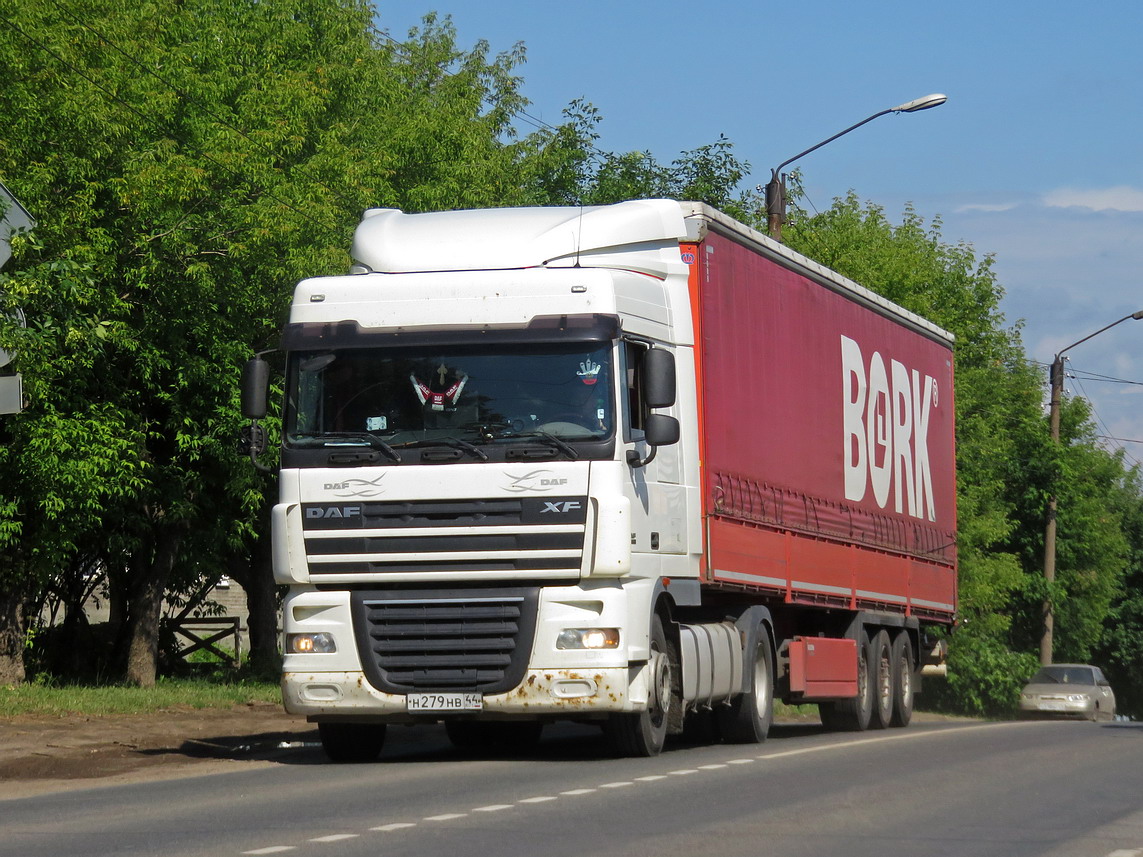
<point>579,235</point>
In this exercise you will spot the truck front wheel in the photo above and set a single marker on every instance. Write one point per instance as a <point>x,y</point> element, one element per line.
<point>352,742</point>
<point>644,733</point>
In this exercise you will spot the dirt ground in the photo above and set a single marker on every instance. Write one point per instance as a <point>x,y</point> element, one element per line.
<point>45,754</point>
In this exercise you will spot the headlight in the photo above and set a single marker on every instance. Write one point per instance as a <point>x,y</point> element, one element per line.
<point>1078,697</point>
<point>588,638</point>
<point>309,644</point>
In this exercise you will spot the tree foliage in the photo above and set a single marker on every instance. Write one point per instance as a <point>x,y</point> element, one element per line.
<point>187,163</point>
<point>587,175</point>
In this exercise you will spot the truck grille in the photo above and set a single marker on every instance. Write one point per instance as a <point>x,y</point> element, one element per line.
<point>544,535</point>
<point>475,640</point>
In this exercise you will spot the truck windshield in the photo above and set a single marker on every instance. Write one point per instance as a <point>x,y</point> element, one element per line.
<point>475,394</point>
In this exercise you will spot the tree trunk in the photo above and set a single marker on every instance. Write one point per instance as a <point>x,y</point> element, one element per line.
<point>11,638</point>
<point>146,609</point>
<point>255,575</point>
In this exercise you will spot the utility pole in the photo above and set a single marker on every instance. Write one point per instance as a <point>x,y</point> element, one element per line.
<point>1056,383</point>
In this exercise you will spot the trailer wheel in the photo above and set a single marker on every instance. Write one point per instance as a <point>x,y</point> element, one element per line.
<point>644,733</point>
<point>352,742</point>
<point>853,715</point>
<point>902,658</point>
<point>882,675</point>
<point>747,719</point>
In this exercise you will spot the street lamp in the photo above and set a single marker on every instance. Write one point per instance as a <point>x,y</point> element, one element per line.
<point>776,188</point>
<point>1056,380</point>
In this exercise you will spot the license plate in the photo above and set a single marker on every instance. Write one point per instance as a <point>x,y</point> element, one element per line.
<point>1052,706</point>
<point>444,702</point>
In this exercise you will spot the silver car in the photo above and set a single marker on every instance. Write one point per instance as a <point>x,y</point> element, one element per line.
<point>1068,690</point>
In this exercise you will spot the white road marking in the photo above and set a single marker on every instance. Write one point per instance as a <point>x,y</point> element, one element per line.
<point>859,742</point>
<point>903,736</point>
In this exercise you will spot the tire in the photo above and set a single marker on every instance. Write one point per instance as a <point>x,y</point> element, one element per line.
<point>644,733</point>
<point>352,742</point>
<point>853,715</point>
<point>902,659</point>
<point>494,737</point>
<point>747,719</point>
<point>881,662</point>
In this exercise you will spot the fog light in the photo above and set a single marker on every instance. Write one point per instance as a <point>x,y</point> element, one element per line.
<point>588,638</point>
<point>312,644</point>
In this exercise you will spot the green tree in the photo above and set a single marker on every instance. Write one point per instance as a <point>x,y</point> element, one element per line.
<point>579,173</point>
<point>188,162</point>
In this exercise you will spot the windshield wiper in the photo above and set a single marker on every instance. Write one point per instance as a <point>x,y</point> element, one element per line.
<point>452,442</point>
<point>366,437</point>
<point>550,440</point>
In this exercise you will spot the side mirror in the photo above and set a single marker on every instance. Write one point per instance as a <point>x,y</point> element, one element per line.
<point>658,378</point>
<point>255,388</point>
<point>661,430</point>
<point>658,430</point>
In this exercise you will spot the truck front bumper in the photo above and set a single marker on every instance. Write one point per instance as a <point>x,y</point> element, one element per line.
<point>549,693</point>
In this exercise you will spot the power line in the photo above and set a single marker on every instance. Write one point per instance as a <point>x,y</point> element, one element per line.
<point>1118,439</point>
<point>1102,424</point>
<point>1090,376</point>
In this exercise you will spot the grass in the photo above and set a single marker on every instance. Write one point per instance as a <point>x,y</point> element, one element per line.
<point>96,701</point>
<point>782,711</point>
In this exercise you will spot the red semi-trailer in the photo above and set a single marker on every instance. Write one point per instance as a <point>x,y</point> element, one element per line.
<point>828,467</point>
<point>633,464</point>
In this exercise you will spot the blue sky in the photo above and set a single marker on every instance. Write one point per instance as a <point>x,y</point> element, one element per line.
<point>1036,158</point>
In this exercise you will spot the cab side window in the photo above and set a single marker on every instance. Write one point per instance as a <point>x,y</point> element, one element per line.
<point>634,353</point>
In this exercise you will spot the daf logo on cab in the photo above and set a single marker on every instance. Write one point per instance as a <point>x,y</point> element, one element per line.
<point>537,480</point>
<point>334,512</point>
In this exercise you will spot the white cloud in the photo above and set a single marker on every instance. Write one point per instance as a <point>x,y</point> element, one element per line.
<point>980,206</point>
<point>1120,198</point>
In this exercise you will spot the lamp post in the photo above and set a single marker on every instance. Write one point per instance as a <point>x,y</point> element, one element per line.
<point>776,188</point>
<point>1056,381</point>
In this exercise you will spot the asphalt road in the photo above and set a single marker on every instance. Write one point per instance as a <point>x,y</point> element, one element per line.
<point>933,789</point>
